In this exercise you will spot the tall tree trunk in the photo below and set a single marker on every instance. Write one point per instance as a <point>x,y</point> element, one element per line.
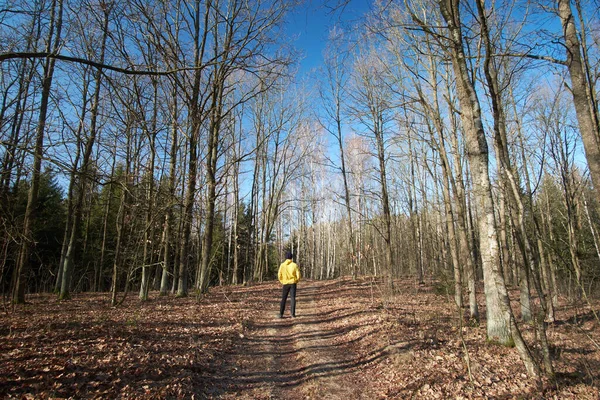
<point>385,201</point>
<point>236,213</point>
<point>84,170</point>
<point>541,251</point>
<point>121,217</point>
<point>509,181</point>
<point>462,215</point>
<point>148,228</point>
<point>582,90</point>
<point>438,140</point>
<point>71,194</point>
<point>99,276</point>
<point>182,288</point>
<point>413,213</point>
<point>195,104</point>
<point>211,182</point>
<point>164,282</point>
<point>27,243</point>
<point>499,315</point>
<point>336,78</point>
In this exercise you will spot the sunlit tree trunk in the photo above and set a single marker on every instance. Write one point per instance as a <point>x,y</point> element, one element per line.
<point>582,89</point>
<point>438,142</point>
<point>335,68</point>
<point>498,324</point>
<point>501,325</point>
<point>236,206</point>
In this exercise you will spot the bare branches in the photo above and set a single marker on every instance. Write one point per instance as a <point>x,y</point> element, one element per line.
<point>78,60</point>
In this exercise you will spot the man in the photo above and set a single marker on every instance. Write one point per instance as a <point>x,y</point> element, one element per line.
<point>289,275</point>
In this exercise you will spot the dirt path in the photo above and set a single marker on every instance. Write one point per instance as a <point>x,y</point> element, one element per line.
<point>351,340</point>
<point>307,357</point>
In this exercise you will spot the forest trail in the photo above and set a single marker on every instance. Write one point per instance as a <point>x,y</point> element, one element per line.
<point>350,340</point>
<point>299,358</point>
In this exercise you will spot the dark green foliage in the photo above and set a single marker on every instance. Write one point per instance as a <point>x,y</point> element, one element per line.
<point>553,215</point>
<point>222,256</point>
<point>106,196</point>
<point>218,256</point>
<point>48,229</point>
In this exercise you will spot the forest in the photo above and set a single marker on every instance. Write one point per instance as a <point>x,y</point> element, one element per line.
<point>158,149</point>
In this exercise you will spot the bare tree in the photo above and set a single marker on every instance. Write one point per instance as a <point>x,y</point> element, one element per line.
<point>372,108</point>
<point>512,183</point>
<point>53,43</point>
<point>82,176</point>
<point>336,79</point>
<point>582,88</point>
<point>241,32</point>
<point>501,322</point>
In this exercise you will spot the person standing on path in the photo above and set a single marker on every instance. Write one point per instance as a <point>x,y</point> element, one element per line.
<point>289,275</point>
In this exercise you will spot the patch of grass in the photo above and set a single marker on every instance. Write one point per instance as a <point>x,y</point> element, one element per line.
<point>492,341</point>
<point>133,320</point>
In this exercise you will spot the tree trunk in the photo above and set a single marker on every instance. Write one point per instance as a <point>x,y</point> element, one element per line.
<point>195,110</point>
<point>27,243</point>
<point>100,266</point>
<point>121,214</point>
<point>70,198</point>
<point>498,317</point>
<point>236,217</point>
<point>83,173</point>
<point>164,281</point>
<point>148,228</point>
<point>211,180</point>
<point>582,89</point>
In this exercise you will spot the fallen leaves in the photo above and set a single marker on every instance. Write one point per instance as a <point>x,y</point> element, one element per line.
<point>407,346</point>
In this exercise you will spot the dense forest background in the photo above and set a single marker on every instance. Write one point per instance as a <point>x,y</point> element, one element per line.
<point>171,146</point>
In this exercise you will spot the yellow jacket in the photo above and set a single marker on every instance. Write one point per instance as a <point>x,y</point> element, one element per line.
<point>288,272</point>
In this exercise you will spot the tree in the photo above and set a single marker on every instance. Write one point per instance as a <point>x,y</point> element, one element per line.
<point>53,43</point>
<point>582,88</point>
<point>511,182</point>
<point>372,108</point>
<point>82,176</point>
<point>501,326</point>
<point>241,32</point>
<point>332,94</point>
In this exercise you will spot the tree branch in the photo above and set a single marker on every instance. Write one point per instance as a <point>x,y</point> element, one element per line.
<point>534,57</point>
<point>126,71</point>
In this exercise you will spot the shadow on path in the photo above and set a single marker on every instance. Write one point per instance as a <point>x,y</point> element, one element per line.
<point>313,355</point>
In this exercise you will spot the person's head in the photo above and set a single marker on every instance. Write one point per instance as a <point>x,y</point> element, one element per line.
<point>288,255</point>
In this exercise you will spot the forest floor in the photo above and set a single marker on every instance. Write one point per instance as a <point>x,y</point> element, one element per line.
<point>349,341</point>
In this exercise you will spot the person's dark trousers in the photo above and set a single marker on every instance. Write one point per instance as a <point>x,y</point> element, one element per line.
<point>291,289</point>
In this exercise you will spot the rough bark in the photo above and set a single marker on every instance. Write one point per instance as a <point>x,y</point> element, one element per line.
<point>581,89</point>
<point>498,321</point>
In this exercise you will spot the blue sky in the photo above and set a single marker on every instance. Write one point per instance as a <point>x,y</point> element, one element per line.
<point>310,25</point>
